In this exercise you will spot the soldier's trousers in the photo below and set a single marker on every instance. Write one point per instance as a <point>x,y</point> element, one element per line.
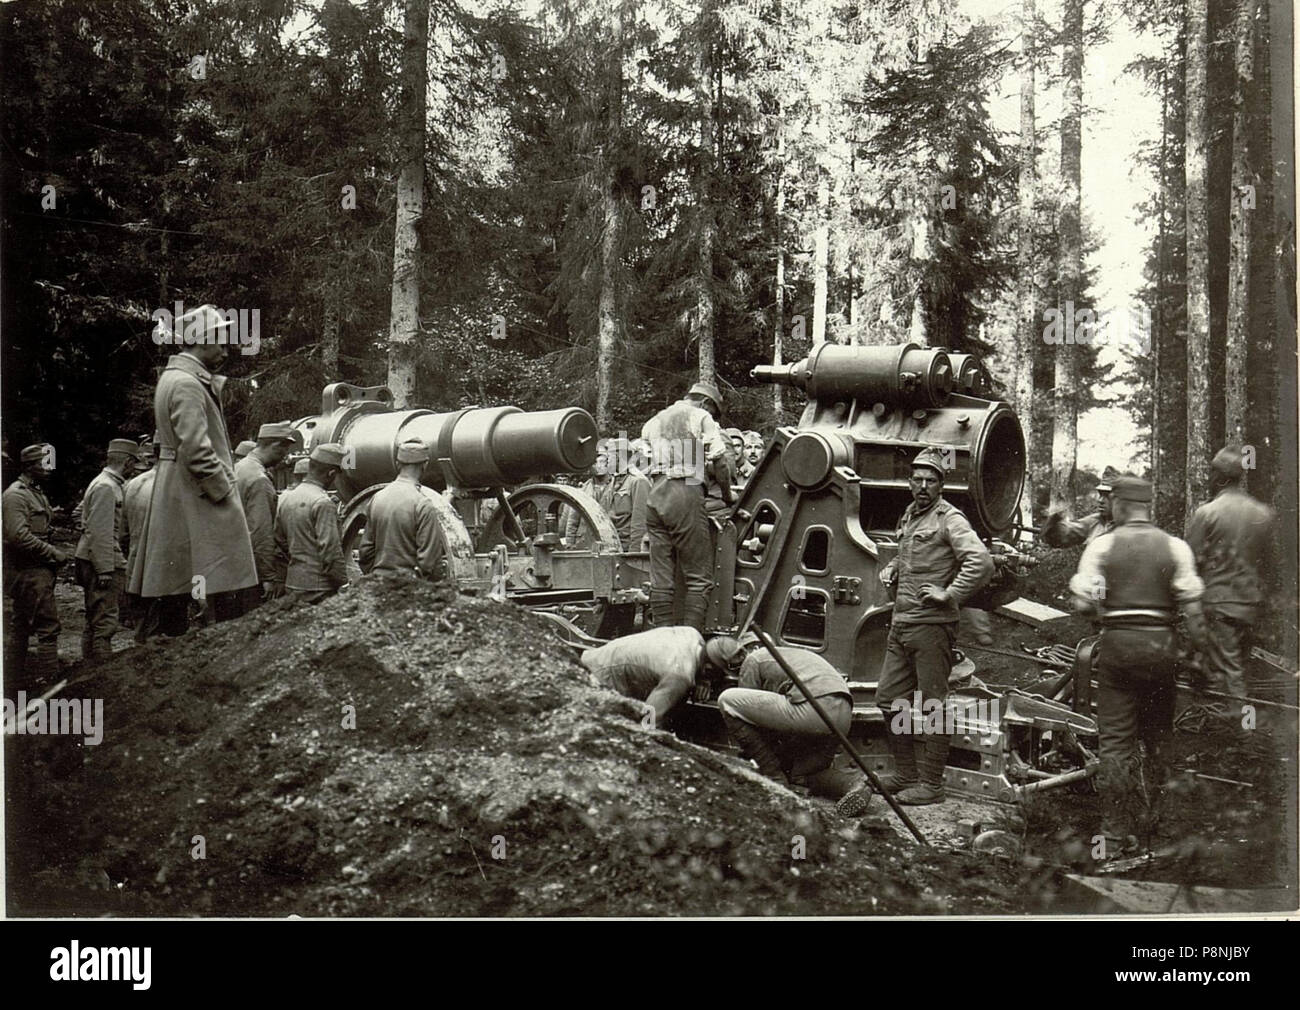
<point>805,745</point>
<point>1135,705</point>
<point>35,613</point>
<point>679,542</point>
<point>101,609</point>
<point>170,615</point>
<point>1226,648</point>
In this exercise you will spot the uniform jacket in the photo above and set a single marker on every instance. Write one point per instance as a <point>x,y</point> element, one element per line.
<point>1061,531</point>
<point>309,555</point>
<point>102,524</point>
<point>195,523</point>
<point>1136,575</point>
<point>135,506</point>
<point>1228,537</point>
<point>684,438</point>
<point>401,531</point>
<point>938,548</point>
<point>27,515</point>
<point>257,494</point>
<point>624,499</point>
<point>761,672</point>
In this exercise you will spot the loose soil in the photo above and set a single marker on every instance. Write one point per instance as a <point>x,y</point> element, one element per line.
<point>401,750</point>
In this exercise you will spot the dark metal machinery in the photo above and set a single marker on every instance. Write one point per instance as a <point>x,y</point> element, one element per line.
<point>492,542</point>
<point>816,523</point>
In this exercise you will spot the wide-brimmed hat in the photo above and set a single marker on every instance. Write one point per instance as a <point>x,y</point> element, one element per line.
<point>204,325</point>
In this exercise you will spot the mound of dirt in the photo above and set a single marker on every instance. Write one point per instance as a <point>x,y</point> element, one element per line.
<point>400,750</point>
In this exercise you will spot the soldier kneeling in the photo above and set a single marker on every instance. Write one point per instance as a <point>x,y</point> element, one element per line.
<point>771,721</point>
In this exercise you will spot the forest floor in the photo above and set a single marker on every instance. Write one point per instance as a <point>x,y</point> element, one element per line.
<point>400,750</point>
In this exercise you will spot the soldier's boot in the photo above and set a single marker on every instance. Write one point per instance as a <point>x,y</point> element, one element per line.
<point>753,744</point>
<point>934,756</point>
<point>903,751</point>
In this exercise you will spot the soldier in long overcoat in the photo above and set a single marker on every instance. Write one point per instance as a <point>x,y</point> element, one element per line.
<point>195,543</point>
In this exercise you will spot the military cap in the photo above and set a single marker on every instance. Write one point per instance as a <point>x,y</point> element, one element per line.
<point>721,651</point>
<point>1107,482</point>
<point>330,453</point>
<point>126,446</point>
<point>733,433</point>
<point>1133,489</point>
<point>281,431</point>
<point>1228,462</point>
<point>413,450</point>
<point>753,438</point>
<point>34,453</point>
<point>933,459</point>
<point>300,467</point>
<point>709,390</point>
<point>244,448</point>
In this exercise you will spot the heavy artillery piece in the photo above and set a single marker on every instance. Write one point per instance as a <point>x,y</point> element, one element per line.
<point>817,521</point>
<point>491,541</point>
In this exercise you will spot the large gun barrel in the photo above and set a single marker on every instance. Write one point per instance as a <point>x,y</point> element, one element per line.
<point>902,375</point>
<point>472,447</point>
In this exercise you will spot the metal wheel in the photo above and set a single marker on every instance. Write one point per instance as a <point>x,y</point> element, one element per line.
<point>534,504</point>
<point>454,553</point>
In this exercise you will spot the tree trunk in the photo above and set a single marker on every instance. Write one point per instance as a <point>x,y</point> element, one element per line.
<point>779,323</point>
<point>1065,447</point>
<point>1027,298</point>
<point>404,322</point>
<point>1198,272</point>
<point>704,309</point>
<point>1156,342</point>
<point>1241,211</point>
<point>329,340</point>
<point>611,236</point>
<point>822,236</point>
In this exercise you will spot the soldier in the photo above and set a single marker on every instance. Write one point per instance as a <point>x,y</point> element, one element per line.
<point>737,446</point>
<point>754,449</point>
<point>659,666</point>
<point>770,720</point>
<point>30,560</point>
<point>299,472</point>
<point>1135,579</point>
<point>244,448</point>
<point>622,491</point>
<point>1061,531</point>
<point>257,494</point>
<point>100,563</point>
<point>195,543</point>
<point>941,562</point>
<point>686,443</point>
<point>1228,537</point>
<point>136,494</point>
<point>402,528</point>
<point>309,557</point>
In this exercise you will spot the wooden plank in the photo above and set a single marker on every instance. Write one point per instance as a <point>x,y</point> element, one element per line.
<point>1151,897</point>
<point>1029,612</point>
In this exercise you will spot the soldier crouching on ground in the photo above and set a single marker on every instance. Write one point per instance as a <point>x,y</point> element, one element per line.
<point>772,723</point>
<point>1135,579</point>
<point>659,666</point>
<point>100,563</point>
